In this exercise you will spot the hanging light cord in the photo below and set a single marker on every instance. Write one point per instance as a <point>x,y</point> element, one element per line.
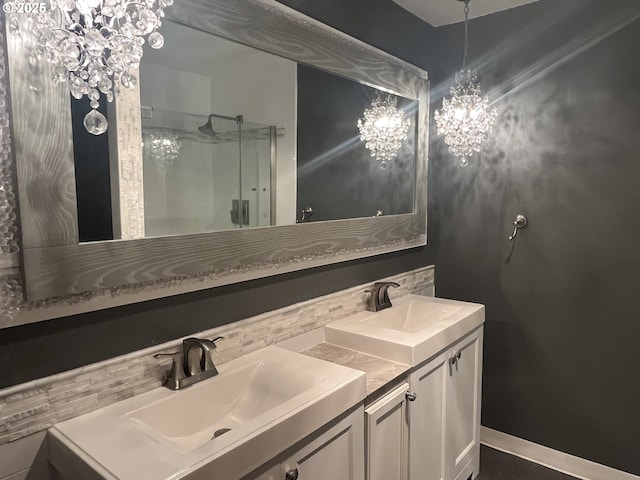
<point>466,35</point>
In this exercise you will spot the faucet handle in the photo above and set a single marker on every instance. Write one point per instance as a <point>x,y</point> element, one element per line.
<point>176,373</point>
<point>208,346</point>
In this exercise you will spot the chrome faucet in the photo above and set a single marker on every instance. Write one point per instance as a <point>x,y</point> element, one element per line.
<point>192,365</point>
<point>379,299</point>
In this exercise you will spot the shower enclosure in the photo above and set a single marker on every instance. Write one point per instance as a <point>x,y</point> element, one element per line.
<point>204,173</point>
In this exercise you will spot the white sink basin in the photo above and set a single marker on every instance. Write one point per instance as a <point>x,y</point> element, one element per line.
<point>269,399</point>
<point>195,415</point>
<point>414,329</point>
<point>412,316</point>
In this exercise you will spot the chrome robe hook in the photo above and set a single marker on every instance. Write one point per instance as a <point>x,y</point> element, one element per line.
<point>520,222</point>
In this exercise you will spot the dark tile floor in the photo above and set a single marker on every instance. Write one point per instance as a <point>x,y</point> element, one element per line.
<point>496,465</point>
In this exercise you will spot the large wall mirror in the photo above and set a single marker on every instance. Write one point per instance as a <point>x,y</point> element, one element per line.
<point>234,137</point>
<point>236,156</point>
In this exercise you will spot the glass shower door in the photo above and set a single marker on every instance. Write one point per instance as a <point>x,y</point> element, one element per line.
<point>205,173</point>
<point>257,166</point>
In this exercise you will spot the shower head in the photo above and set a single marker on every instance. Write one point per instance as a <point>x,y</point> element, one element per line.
<point>207,128</point>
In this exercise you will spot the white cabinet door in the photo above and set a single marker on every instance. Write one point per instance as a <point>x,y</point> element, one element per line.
<point>337,454</point>
<point>463,405</point>
<point>387,437</point>
<point>445,418</point>
<point>427,418</point>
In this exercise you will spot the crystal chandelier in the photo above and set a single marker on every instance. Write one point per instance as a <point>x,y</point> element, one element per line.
<point>466,118</point>
<point>164,147</point>
<point>383,128</point>
<point>95,45</point>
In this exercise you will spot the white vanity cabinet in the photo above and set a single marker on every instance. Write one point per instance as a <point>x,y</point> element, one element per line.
<point>387,437</point>
<point>445,416</point>
<point>336,453</point>
<point>440,340</point>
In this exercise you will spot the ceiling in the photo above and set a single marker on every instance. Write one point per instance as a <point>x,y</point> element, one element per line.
<point>445,12</point>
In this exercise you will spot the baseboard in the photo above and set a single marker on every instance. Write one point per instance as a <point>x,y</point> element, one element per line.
<point>547,457</point>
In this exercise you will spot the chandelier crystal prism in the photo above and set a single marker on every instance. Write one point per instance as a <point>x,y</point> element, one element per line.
<point>466,118</point>
<point>383,128</point>
<point>94,45</point>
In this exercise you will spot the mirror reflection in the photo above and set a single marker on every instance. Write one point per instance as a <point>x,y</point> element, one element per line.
<point>242,107</point>
<point>233,137</point>
<point>204,173</point>
<point>337,176</point>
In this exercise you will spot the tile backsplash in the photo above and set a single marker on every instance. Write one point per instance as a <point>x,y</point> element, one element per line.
<point>37,405</point>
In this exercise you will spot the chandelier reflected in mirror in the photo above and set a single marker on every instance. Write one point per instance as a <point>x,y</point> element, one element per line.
<point>466,118</point>
<point>163,147</point>
<point>383,128</point>
<point>94,45</point>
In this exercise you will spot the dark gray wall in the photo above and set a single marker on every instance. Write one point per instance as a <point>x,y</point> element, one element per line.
<point>93,182</point>
<point>562,325</point>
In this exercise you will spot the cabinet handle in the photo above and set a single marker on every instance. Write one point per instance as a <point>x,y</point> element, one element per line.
<point>453,361</point>
<point>411,396</point>
<point>291,474</point>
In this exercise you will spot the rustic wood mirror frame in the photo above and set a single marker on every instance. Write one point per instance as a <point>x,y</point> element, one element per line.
<point>54,262</point>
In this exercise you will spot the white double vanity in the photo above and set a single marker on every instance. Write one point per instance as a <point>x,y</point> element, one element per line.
<point>388,395</point>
